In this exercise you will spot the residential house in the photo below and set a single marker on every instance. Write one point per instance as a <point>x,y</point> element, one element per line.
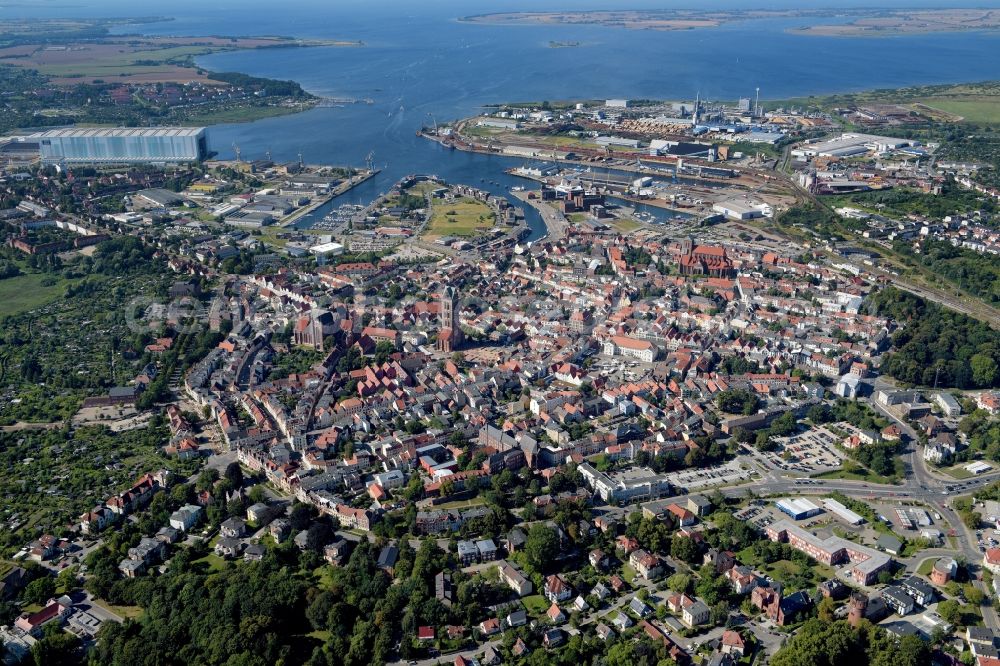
<point>622,621</point>
<point>467,553</point>
<point>518,618</point>
<point>444,591</point>
<point>921,592</point>
<point>335,553</point>
<point>557,589</point>
<point>683,516</point>
<point>186,517</point>
<point>637,606</point>
<point>487,550</point>
<point>732,643</point>
<point>233,528</point>
<point>489,627</point>
<point>695,614</point>
<point>598,559</point>
<point>601,592</point>
<point>254,553</point>
<point>387,558</point>
<point>553,638</point>
<point>514,579</point>
<point>228,547</point>
<point>280,529</point>
<point>991,560</point>
<point>742,579</point>
<point>898,600</point>
<point>555,614</point>
<point>647,565</point>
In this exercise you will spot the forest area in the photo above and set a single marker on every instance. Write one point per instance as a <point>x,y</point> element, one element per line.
<point>937,346</point>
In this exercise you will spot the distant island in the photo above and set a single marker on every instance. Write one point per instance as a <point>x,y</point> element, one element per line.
<point>906,22</point>
<point>563,45</point>
<point>863,21</point>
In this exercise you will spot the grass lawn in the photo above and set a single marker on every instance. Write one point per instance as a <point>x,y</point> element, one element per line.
<point>324,579</point>
<point>854,472</point>
<point>925,567</point>
<point>626,225</point>
<point>975,102</point>
<point>480,131</point>
<point>957,472</point>
<point>628,573</point>
<point>269,236</point>
<point>463,217</point>
<point>972,109</point>
<point>852,475</point>
<point>564,141</point>
<point>321,635</point>
<point>423,187</point>
<point>113,62</point>
<point>460,504</point>
<point>215,563</point>
<point>535,604</point>
<point>26,292</point>
<point>126,612</point>
<point>783,568</point>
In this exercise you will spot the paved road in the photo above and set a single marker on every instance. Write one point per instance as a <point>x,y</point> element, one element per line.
<point>555,221</point>
<point>920,484</point>
<point>450,657</point>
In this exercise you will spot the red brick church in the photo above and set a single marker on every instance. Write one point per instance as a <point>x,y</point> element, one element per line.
<point>704,260</point>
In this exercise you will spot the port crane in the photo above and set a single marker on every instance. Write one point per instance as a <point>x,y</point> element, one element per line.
<point>370,161</point>
<point>236,149</point>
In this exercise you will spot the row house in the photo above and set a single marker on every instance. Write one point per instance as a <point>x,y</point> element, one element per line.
<point>351,518</point>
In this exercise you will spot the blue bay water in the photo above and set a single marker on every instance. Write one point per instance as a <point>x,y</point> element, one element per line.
<point>418,63</point>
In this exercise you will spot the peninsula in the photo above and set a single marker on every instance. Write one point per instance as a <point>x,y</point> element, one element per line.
<point>103,78</point>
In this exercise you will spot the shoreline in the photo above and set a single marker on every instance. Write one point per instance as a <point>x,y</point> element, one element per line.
<point>118,52</point>
<point>860,21</point>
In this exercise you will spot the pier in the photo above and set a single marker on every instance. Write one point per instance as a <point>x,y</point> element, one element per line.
<point>344,187</point>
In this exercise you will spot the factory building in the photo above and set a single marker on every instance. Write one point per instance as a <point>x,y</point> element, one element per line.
<point>850,144</point>
<point>736,209</point>
<point>325,250</point>
<point>150,145</point>
<point>842,512</point>
<point>798,509</point>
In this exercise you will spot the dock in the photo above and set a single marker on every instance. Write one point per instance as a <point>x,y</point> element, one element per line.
<point>344,187</point>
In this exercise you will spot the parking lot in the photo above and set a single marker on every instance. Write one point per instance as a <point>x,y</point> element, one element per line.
<point>809,452</point>
<point>760,514</point>
<point>695,479</point>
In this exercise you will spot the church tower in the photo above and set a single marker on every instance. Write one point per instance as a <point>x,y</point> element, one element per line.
<point>450,336</point>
